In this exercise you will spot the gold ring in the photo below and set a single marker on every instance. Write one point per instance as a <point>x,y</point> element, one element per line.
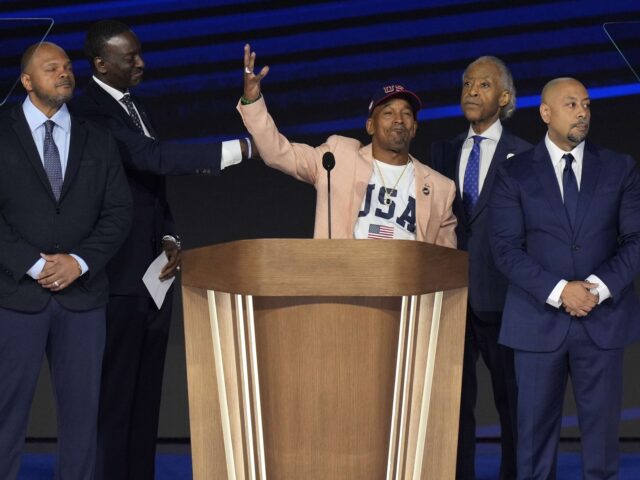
<point>56,284</point>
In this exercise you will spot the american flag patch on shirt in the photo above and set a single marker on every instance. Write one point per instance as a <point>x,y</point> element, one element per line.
<point>380,231</point>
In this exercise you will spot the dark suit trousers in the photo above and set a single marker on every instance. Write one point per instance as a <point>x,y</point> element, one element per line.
<point>133,367</point>
<point>596,376</point>
<point>481,338</point>
<point>73,342</point>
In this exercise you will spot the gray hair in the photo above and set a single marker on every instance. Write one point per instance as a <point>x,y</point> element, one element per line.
<point>507,83</point>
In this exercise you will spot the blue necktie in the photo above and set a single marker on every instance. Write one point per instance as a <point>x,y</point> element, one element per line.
<point>52,164</point>
<point>570,188</point>
<point>471,183</point>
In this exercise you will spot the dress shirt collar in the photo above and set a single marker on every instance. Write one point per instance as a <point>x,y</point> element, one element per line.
<point>114,92</point>
<point>556,152</point>
<point>492,133</point>
<point>35,118</point>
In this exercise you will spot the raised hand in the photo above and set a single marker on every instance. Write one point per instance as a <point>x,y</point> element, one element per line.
<point>251,80</point>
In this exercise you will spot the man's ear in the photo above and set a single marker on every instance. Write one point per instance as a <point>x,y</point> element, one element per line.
<point>504,98</point>
<point>25,79</point>
<point>99,65</point>
<point>369,126</point>
<point>545,112</point>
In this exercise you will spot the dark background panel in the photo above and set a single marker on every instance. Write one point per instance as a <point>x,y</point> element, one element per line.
<point>326,59</point>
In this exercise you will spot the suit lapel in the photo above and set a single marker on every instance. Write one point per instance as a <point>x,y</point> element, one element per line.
<point>144,117</point>
<point>503,148</point>
<point>546,175</point>
<point>423,194</point>
<point>21,127</point>
<point>76,145</point>
<point>591,167</point>
<point>111,105</point>
<point>362,175</point>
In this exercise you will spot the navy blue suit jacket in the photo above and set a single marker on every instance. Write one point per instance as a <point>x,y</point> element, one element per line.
<point>146,162</point>
<point>487,286</point>
<point>535,246</point>
<point>91,218</point>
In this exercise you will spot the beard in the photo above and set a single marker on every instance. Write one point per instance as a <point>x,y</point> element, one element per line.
<point>576,136</point>
<point>54,101</point>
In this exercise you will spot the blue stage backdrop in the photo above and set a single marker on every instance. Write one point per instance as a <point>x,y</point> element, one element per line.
<point>326,58</point>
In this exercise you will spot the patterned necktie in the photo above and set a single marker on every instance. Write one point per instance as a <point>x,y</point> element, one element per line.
<point>472,178</point>
<point>570,188</point>
<point>52,164</point>
<point>135,118</point>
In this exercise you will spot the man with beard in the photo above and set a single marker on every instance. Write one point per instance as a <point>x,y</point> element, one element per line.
<point>566,233</point>
<point>137,331</point>
<point>378,190</point>
<point>471,159</point>
<point>65,208</point>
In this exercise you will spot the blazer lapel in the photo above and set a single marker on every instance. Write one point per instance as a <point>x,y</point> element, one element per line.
<point>21,127</point>
<point>111,105</point>
<point>456,147</point>
<point>144,117</point>
<point>76,145</point>
<point>423,194</point>
<point>362,175</point>
<point>546,175</point>
<point>500,155</point>
<point>591,167</point>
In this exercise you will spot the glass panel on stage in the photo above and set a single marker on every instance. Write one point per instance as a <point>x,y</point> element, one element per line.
<point>625,36</point>
<point>17,35</point>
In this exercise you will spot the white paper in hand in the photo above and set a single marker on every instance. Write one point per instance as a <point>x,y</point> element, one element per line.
<point>158,289</point>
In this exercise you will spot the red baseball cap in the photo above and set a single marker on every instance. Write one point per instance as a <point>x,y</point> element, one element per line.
<point>395,91</point>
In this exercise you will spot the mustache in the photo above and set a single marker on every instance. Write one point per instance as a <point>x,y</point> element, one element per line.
<point>580,123</point>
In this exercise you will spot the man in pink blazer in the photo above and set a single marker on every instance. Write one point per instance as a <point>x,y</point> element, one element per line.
<point>378,190</point>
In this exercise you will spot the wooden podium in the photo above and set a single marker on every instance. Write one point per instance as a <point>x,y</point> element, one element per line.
<point>324,359</point>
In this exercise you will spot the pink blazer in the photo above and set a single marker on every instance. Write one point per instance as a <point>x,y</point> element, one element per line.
<point>435,222</point>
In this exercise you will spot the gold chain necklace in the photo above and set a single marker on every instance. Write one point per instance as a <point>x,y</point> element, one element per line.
<point>387,191</point>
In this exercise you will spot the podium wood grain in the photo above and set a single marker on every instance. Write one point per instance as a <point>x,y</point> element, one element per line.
<point>293,364</point>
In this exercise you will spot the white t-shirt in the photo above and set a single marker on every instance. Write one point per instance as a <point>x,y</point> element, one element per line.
<point>393,216</point>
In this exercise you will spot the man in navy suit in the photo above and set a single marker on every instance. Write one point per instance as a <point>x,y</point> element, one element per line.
<point>65,208</point>
<point>137,331</point>
<point>566,233</point>
<point>488,97</point>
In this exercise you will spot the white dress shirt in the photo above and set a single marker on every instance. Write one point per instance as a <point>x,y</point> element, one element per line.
<point>558,163</point>
<point>487,149</point>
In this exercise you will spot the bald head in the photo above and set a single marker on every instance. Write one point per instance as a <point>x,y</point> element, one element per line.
<point>565,108</point>
<point>47,76</point>
<point>41,48</point>
<point>553,86</point>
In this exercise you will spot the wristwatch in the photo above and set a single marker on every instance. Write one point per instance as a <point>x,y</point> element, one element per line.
<point>175,239</point>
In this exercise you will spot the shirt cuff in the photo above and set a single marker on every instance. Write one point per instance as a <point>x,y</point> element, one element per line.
<point>83,265</point>
<point>231,154</point>
<point>37,267</point>
<point>601,290</point>
<point>554,297</point>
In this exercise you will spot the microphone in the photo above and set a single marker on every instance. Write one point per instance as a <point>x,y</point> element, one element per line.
<point>328,162</point>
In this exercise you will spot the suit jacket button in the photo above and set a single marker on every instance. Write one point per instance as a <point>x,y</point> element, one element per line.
<point>575,248</point>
